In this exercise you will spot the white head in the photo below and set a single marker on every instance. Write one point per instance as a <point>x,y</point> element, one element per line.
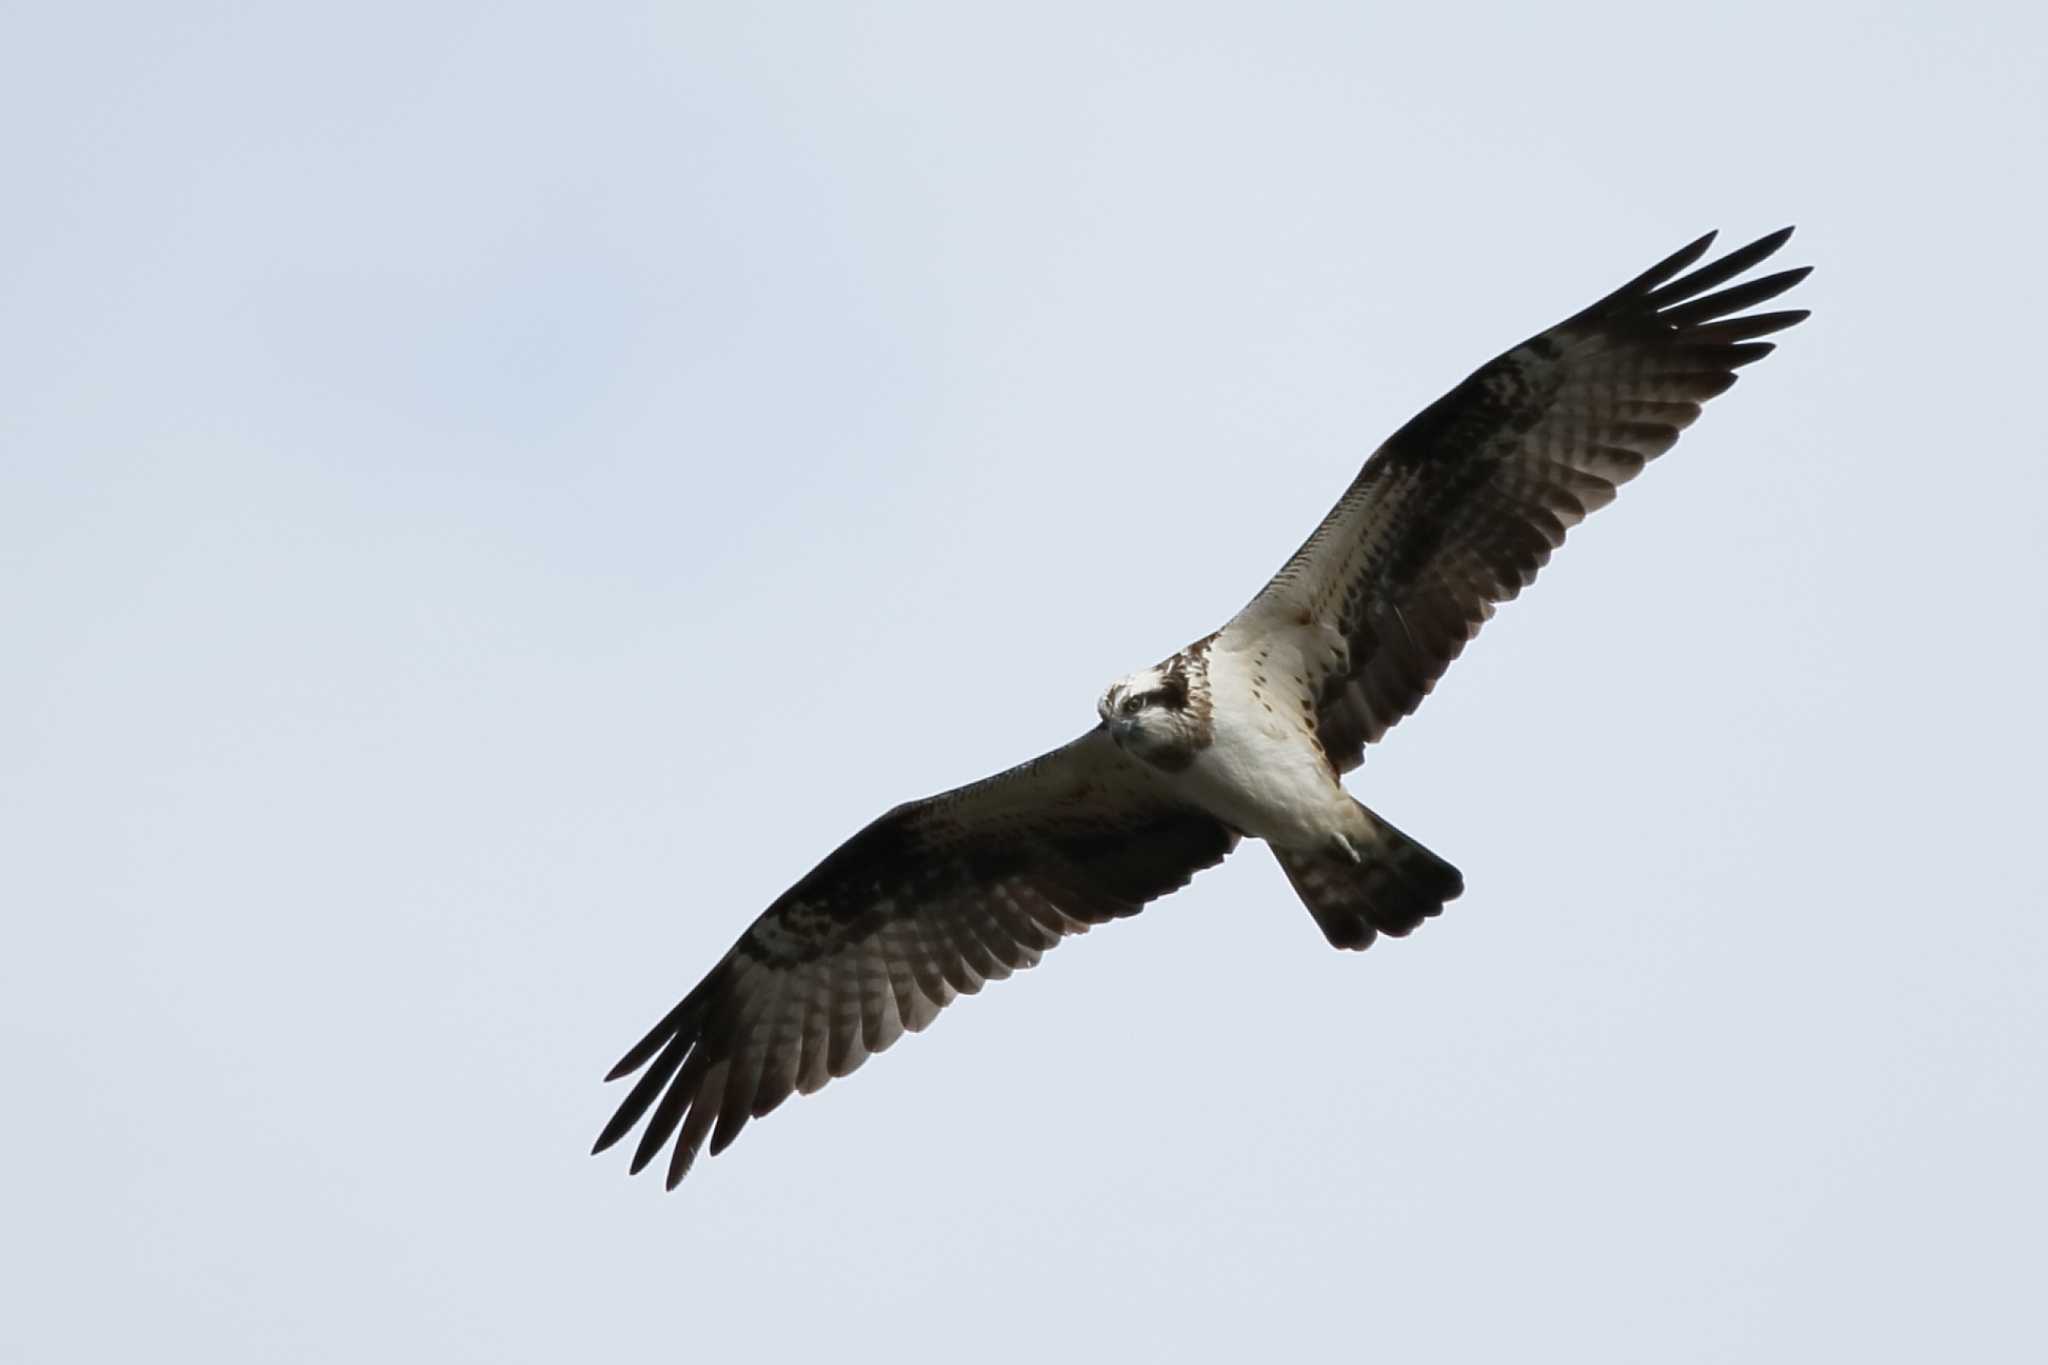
<point>1157,715</point>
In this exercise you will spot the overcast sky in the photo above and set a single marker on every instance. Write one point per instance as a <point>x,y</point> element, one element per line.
<point>490,494</point>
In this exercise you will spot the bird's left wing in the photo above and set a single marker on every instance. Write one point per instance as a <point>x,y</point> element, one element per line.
<point>1461,507</point>
<point>923,905</point>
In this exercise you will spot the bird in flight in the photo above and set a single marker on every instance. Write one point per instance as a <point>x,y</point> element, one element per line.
<point>1246,733</point>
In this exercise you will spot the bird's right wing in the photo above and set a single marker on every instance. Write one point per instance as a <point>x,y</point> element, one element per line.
<point>923,905</point>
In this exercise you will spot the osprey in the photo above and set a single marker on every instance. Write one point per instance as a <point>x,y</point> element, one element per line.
<point>1246,733</point>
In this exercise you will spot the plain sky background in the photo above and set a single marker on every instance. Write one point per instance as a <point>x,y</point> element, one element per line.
<point>490,494</point>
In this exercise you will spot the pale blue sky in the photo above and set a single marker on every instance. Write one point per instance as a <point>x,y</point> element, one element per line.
<point>489,494</point>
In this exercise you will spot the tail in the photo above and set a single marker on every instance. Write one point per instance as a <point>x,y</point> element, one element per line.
<point>1394,885</point>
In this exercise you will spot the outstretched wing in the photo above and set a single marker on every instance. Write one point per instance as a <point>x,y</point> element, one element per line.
<point>923,905</point>
<point>1458,511</point>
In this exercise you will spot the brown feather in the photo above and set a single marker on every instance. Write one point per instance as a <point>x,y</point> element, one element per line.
<point>1462,507</point>
<point>929,902</point>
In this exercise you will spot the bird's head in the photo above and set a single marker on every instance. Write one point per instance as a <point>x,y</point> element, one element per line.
<point>1152,715</point>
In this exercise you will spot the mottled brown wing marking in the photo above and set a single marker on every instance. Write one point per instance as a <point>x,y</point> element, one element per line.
<point>926,904</point>
<point>1464,505</point>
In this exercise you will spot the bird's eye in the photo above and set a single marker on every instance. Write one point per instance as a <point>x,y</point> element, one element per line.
<point>1131,704</point>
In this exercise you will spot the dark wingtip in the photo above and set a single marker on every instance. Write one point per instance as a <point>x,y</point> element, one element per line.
<point>1754,325</point>
<point>1650,281</point>
<point>1763,247</point>
<point>730,1124</point>
<point>620,1125</point>
<point>1676,294</point>
<point>1677,260</point>
<point>680,1161</point>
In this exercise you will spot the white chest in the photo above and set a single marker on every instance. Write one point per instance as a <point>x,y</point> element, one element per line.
<point>1263,772</point>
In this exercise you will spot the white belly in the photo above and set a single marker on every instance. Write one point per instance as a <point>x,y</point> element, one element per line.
<point>1264,773</point>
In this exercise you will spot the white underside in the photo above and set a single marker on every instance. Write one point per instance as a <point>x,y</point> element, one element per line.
<point>1264,774</point>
